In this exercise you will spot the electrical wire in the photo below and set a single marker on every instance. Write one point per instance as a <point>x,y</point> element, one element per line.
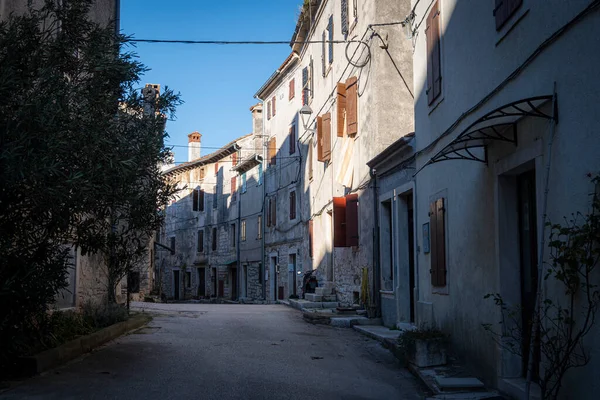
<point>235,42</point>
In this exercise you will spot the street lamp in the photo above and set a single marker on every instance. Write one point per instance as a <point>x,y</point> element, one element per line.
<point>305,113</point>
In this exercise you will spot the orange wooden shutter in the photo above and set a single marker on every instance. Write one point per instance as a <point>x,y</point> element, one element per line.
<point>352,106</point>
<point>352,220</point>
<point>341,109</point>
<point>292,88</point>
<point>326,137</point>
<point>339,222</point>
<point>216,168</point>
<point>273,151</point>
<point>234,159</point>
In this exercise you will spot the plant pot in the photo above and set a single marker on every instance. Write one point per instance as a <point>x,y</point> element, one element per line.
<point>429,352</point>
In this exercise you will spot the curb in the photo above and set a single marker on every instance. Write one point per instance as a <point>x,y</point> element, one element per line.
<point>57,356</point>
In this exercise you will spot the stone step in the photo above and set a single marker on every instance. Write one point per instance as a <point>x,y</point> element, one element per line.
<point>453,383</point>
<point>322,291</point>
<point>313,297</point>
<point>329,298</point>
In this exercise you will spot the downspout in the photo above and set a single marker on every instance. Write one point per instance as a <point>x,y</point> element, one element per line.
<point>416,248</point>
<point>376,269</point>
<point>239,243</point>
<point>262,220</point>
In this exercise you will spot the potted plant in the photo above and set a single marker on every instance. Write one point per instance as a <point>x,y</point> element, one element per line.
<point>424,347</point>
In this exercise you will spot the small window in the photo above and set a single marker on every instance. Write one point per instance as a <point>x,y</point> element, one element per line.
<point>268,110</point>
<point>273,105</point>
<point>330,39</point>
<point>172,243</point>
<point>201,173</point>
<point>292,205</point>
<point>234,159</point>
<point>232,231</point>
<point>214,239</point>
<point>216,168</point>
<point>292,139</point>
<point>215,197</point>
<point>243,231</point>
<point>233,188</point>
<point>198,200</point>
<point>434,75</point>
<point>200,247</point>
<point>133,282</point>
<point>259,227</point>
<point>292,89</point>
<point>188,279</point>
<point>272,155</point>
<point>345,221</point>
<point>305,86</point>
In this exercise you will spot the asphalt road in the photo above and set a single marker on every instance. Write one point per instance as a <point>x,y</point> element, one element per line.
<point>222,352</point>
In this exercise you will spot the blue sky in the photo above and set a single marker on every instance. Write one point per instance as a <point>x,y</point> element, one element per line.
<point>217,82</point>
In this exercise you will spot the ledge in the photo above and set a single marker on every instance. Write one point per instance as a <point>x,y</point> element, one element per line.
<point>29,366</point>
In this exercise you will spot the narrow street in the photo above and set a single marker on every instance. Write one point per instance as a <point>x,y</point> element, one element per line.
<point>211,351</point>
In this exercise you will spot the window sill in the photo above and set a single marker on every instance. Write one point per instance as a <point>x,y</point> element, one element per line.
<point>352,26</point>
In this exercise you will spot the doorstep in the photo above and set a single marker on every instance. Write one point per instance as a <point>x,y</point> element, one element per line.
<point>378,332</point>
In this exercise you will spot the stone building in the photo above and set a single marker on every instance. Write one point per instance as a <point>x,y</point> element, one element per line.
<point>341,97</point>
<point>506,131</point>
<point>212,224</point>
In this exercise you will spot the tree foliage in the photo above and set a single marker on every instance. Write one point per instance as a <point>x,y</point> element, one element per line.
<point>79,157</point>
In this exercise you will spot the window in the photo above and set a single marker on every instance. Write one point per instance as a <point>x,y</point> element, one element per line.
<point>188,279</point>
<point>341,109</point>
<point>434,78</point>
<point>292,205</point>
<point>133,282</point>
<point>215,197</point>
<point>310,238</point>
<point>261,275</point>
<point>310,159</point>
<point>233,188</point>
<point>214,239</point>
<point>234,159</point>
<point>243,231</point>
<point>272,211</point>
<point>344,18</point>
<point>292,139</point>
<point>259,227</point>
<point>330,38</point>
<point>273,104</point>
<point>272,155</point>
<point>351,108</point>
<point>260,174</point>
<point>268,110</point>
<point>437,232</point>
<point>244,188</point>
<point>216,168</point>
<point>172,243</point>
<point>324,137</point>
<point>345,221</point>
<point>306,84</point>
<point>200,246</point>
<point>323,50</point>
<point>503,10</point>
<point>198,200</point>
<point>201,173</point>
<point>292,89</point>
<point>232,231</point>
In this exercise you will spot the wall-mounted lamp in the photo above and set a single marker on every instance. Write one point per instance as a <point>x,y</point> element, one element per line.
<point>305,113</point>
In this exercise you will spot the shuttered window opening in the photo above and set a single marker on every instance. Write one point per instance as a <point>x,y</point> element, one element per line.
<point>201,173</point>
<point>272,156</point>
<point>292,89</point>
<point>272,211</point>
<point>268,110</point>
<point>304,86</point>
<point>233,188</point>
<point>234,159</point>
<point>437,229</point>
<point>352,106</point>
<point>215,197</point>
<point>310,159</point>
<point>434,75</point>
<point>292,139</point>
<point>311,81</point>
<point>344,17</point>
<point>324,137</point>
<point>214,239</point>
<point>503,10</point>
<point>273,102</point>
<point>216,168</point>
<point>323,56</point>
<point>330,38</point>
<point>292,205</point>
<point>195,200</point>
<point>198,200</point>
<point>310,238</point>
<point>341,109</point>
<point>243,231</point>
<point>345,221</point>
<point>172,243</point>
<point>200,247</point>
<point>259,227</point>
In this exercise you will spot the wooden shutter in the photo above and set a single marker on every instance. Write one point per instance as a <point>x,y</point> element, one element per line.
<point>292,139</point>
<point>330,29</point>
<point>292,89</point>
<point>434,76</point>
<point>352,219</point>
<point>310,159</point>
<point>268,222</point>
<point>234,159</point>
<point>310,238</point>
<point>323,68</point>
<point>214,239</point>
<point>344,17</point>
<point>273,101</point>
<point>200,199</point>
<point>341,109</point>
<point>352,106</point>
<point>273,151</point>
<point>216,168</point>
<point>195,200</point>
<point>304,86</point>
<point>326,137</point>
<point>233,187</point>
<point>200,241</point>
<point>339,222</point>
<point>293,205</point>
<point>268,110</point>
<point>320,138</point>
<point>503,10</point>
<point>438,242</point>
<point>274,211</point>
<point>201,173</point>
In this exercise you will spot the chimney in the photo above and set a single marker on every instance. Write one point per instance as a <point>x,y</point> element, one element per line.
<point>194,146</point>
<point>257,126</point>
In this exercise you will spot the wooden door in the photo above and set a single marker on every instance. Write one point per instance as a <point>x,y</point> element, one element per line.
<point>234,284</point>
<point>201,282</point>
<point>221,288</point>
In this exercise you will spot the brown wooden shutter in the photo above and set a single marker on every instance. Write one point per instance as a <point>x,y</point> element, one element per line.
<point>310,238</point>
<point>274,211</point>
<point>352,106</point>
<point>434,77</point>
<point>292,88</point>
<point>233,188</point>
<point>273,105</point>
<point>341,109</point>
<point>339,222</point>
<point>201,173</point>
<point>195,200</point>
<point>310,159</point>
<point>234,159</point>
<point>273,151</point>
<point>292,139</point>
<point>268,212</point>
<point>352,219</point>
<point>326,137</point>
<point>216,168</point>
<point>503,10</point>
<point>200,241</point>
<point>438,242</point>
<point>214,239</point>
<point>268,110</point>
<point>320,138</point>
<point>293,205</point>
<point>201,200</point>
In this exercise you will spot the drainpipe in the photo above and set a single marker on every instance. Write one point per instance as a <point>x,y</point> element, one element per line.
<point>376,269</point>
<point>239,243</point>
<point>417,249</point>
<point>262,220</point>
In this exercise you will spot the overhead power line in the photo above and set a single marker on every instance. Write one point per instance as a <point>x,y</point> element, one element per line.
<point>236,42</point>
